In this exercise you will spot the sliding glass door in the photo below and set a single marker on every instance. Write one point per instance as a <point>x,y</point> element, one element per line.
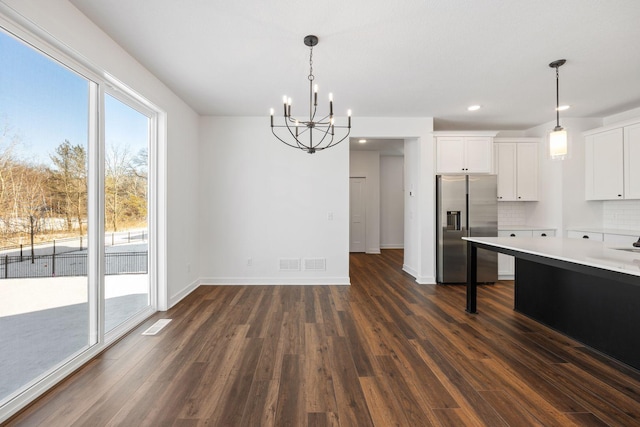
<point>76,240</point>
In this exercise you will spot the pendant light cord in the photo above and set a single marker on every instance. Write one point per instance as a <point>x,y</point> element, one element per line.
<point>557,98</point>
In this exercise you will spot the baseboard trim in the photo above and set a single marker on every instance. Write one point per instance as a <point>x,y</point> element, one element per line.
<point>421,280</point>
<point>409,270</point>
<point>181,294</point>
<point>392,246</point>
<point>235,281</point>
<point>426,280</point>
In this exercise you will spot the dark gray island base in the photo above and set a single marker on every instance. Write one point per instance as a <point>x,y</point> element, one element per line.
<point>597,306</point>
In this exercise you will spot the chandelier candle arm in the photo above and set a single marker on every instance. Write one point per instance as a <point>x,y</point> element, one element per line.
<point>325,127</point>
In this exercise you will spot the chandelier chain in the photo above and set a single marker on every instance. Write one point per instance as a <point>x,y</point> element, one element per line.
<point>310,77</point>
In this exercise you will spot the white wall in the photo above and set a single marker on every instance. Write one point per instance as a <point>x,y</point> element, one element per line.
<point>391,202</point>
<point>262,201</point>
<point>366,164</point>
<point>66,24</point>
<point>412,252</point>
<point>562,203</point>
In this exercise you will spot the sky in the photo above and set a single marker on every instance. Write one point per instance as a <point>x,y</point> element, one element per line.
<point>43,103</point>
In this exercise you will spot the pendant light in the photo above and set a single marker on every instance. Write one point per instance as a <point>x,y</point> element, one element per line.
<point>558,144</point>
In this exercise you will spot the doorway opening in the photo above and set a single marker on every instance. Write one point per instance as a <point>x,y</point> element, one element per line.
<point>377,181</point>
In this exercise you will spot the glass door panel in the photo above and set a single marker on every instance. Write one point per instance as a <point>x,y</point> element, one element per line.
<point>126,192</point>
<point>45,310</point>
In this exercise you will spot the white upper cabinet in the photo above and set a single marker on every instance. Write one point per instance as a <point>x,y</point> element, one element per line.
<point>450,154</point>
<point>464,153</point>
<point>506,170</point>
<point>604,174</point>
<point>517,169</point>
<point>632,162</point>
<point>527,168</point>
<point>612,162</point>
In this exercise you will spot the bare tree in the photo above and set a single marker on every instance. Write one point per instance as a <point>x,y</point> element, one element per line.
<point>68,183</point>
<point>30,198</point>
<point>118,164</point>
<point>8,141</point>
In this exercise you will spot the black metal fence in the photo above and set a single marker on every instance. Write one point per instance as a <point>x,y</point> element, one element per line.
<point>17,267</point>
<point>74,244</point>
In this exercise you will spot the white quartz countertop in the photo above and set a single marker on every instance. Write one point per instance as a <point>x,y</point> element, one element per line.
<point>579,251</point>
<point>523,227</point>
<point>606,231</point>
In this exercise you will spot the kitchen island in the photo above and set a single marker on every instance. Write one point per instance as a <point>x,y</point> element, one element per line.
<point>584,289</point>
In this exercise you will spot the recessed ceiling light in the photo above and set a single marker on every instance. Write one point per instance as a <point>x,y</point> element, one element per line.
<point>362,141</point>
<point>473,107</point>
<point>563,107</point>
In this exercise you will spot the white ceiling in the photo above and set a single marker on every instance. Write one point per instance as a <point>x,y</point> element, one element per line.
<point>388,58</point>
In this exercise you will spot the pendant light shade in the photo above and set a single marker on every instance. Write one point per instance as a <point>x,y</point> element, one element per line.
<point>558,145</point>
<point>558,140</point>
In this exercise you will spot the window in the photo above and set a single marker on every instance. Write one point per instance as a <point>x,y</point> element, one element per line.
<point>77,212</point>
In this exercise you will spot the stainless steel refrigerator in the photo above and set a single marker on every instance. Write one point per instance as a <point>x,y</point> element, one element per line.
<point>466,205</point>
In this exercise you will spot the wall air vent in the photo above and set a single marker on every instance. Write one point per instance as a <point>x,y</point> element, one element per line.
<point>289,264</point>
<point>315,264</point>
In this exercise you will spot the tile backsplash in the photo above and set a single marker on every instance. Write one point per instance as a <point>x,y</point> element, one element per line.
<point>620,214</point>
<point>512,213</point>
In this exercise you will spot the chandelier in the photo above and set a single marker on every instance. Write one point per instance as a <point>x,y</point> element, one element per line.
<point>313,134</point>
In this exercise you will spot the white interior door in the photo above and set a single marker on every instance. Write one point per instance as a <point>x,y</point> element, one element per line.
<point>357,221</point>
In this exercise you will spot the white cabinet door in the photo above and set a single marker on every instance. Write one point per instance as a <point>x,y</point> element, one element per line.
<point>577,234</point>
<point>506,266</point>
<point>463,154</point>
<point>506,170</point>
<point>632,162</point>
<point>604,165</point>
<point>478,154</point>
<point>450,154</point>
<point>517,169</point>
<point>527,172</point>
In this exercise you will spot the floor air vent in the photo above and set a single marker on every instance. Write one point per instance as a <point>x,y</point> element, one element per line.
<point>289,264</point>
<point>315,264</point>
<point>157,327</point>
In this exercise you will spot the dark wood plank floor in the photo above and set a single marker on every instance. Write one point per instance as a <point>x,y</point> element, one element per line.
<point>384,351</point>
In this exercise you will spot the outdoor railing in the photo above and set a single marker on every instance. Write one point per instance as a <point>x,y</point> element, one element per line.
<point>16,267</point>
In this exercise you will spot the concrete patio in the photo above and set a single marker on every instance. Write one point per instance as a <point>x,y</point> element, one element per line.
<point>43,321</point>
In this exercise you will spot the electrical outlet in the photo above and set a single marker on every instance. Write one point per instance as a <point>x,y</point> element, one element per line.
<point>249,262</point>
<point>330,216</point>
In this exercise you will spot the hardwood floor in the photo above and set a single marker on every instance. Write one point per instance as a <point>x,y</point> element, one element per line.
<point>384,351</point>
